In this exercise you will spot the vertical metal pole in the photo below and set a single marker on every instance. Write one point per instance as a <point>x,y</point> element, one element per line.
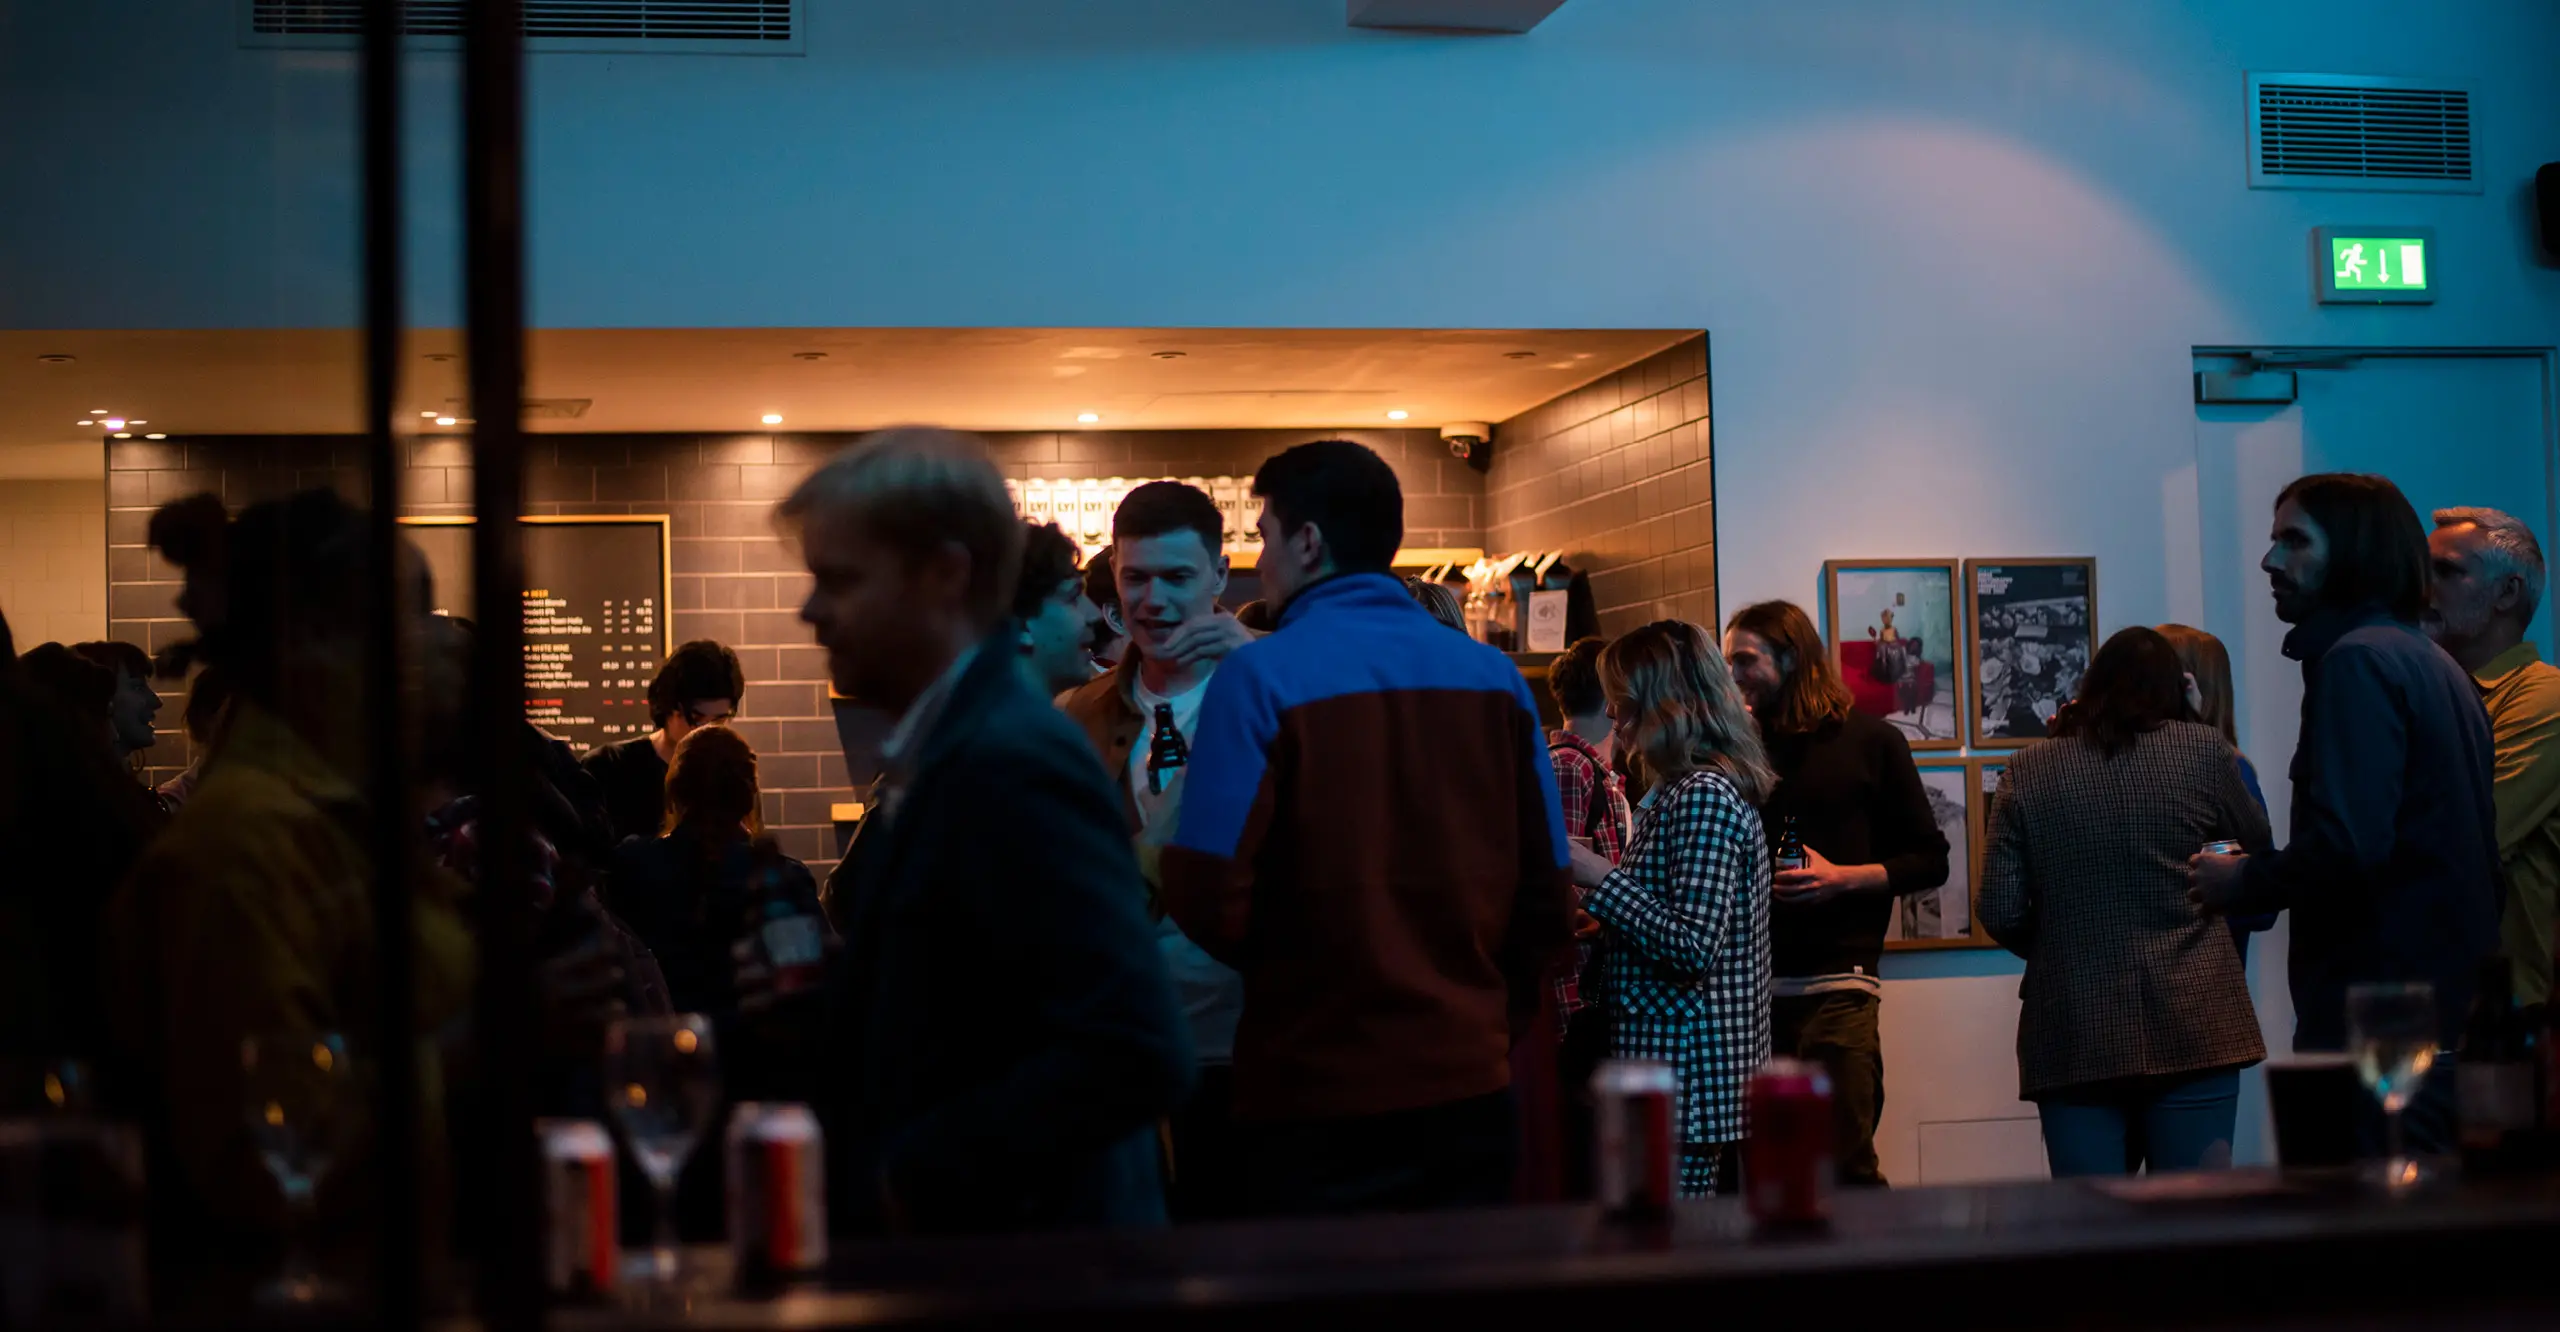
<point>509,1236</point>
<point>398,1263</point>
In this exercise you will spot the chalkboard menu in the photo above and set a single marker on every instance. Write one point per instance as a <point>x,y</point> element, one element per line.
<point>595,616</point>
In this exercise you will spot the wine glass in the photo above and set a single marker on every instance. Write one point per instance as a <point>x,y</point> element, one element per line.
<point>662,1083</point>
<point>2391,1032</point>
<point>295,1089</point>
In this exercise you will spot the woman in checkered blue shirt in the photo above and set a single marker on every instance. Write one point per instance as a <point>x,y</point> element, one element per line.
<point>1683,973</point>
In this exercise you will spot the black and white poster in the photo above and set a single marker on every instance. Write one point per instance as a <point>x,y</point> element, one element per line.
<point>2033,625</point>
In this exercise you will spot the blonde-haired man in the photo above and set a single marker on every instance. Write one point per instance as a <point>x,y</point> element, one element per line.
<point>999,1036</point>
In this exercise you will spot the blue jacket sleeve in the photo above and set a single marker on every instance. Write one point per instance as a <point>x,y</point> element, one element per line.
<point>1226,809</point>
<point>2346,790</point>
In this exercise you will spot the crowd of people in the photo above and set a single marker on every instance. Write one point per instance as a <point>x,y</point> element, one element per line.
<point>1162,911</point>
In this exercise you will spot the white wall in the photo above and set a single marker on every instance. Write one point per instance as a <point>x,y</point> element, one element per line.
<point>1953,255</point>
<point>53,559</point>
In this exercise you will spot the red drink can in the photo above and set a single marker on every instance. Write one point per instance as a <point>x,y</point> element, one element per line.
<point>582,1249</point>
<point>1635,1105</point>
<point>1787,1167</point>
<point>777,1193</point>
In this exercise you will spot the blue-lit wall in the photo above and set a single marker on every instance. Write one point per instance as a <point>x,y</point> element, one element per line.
<point>1953,255</point>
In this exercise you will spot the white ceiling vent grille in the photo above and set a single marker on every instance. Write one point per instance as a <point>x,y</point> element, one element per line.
<point>752,27</point>
<point>2352,132</point>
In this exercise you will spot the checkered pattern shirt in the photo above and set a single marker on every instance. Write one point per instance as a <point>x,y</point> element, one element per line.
<point>1595,807</point>
<point>1684,970</point>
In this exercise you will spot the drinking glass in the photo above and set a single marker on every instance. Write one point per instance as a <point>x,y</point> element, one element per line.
<point>296,1091</point>
<point>2391,1032</point>
<point>662,1083</point>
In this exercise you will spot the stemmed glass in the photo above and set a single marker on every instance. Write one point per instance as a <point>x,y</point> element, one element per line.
<point>2391,1032</point>
<point>662,1083</point>
<point>295,1088</point>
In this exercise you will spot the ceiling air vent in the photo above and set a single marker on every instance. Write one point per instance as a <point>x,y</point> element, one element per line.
<point>750,27</point>
<point>2353,132</point>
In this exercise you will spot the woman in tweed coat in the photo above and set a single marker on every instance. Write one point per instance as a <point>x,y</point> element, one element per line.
<point>1683,971</point>
<point>2136,1018</point>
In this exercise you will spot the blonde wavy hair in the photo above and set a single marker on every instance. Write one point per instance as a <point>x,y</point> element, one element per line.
<point>1671,696</point>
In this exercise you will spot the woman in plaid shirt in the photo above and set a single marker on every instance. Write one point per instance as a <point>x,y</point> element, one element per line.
<point>1683,974</point>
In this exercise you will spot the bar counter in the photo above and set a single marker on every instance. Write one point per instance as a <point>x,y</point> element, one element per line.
<point>2249,1248</point>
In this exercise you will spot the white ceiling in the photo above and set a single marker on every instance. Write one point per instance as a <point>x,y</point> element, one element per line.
<point>306,381</point>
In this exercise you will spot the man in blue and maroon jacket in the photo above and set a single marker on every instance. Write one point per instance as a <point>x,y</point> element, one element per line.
<point>1370,835</point>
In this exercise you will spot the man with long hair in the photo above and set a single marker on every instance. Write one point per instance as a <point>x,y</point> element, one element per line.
<point>1847,784</point>
<point>2391,873</point>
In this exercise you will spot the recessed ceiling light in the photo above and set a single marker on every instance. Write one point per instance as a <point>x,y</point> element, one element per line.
<point>124,434</point>
<point>429,413</point>
<point>137,421</point>
<point>84,423</point>
<point>115,423</point>
<point>1398,414</point>
<point>155,435</point>
<point>56,358</point>
<point>773,418</point>
<point>1088,418</point>
<point>444,420</point>
<point>97,411</point>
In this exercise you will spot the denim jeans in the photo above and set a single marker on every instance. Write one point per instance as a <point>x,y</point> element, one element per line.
<point>2117,1128</point>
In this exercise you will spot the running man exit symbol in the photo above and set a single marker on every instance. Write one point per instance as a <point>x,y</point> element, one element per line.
<point>2373,267</point>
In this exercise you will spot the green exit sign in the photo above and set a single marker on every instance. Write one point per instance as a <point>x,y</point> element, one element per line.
<point>2374,265</point>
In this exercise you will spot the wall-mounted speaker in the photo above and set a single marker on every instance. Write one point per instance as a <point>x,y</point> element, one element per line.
<point>2546,210</point>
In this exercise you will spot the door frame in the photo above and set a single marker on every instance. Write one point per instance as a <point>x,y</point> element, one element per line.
<point>2311,357</point>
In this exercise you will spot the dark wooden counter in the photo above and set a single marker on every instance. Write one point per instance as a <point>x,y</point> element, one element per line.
<point>2298,1252</point>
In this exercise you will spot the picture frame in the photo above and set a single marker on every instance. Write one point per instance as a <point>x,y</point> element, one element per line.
<point>1986,785</point>
<point>1943,917</point>
<point>2030,630</point>
<point>1894,641</point>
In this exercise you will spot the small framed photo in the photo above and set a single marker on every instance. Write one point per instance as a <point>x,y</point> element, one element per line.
<point>2032,626</point>
<point>1987,785</point>
<point>1942,917</point>
<point>1892,629</point>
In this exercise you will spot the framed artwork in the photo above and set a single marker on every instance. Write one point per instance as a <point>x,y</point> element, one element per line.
<point>1986,786</point>
<point>1892,629</point>
<point>2032,625</point>
<point>1942,917</point>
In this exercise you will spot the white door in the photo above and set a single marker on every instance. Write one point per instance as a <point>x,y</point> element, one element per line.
<point>2451,431</point>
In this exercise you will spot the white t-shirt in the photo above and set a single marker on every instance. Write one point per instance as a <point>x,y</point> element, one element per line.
<point>1186,720</point>
<point>1212,994</point>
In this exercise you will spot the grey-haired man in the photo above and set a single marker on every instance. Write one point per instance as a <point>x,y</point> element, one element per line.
<point>2487,586</point>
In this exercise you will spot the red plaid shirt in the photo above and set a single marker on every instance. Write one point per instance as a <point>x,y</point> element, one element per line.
<point>1595,808</point>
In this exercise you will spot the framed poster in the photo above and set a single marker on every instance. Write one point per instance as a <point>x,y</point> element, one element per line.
<point>2032,625</point>
<point>1987,785</point>
<point>1942,917</point>
<point>1892,629</point>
